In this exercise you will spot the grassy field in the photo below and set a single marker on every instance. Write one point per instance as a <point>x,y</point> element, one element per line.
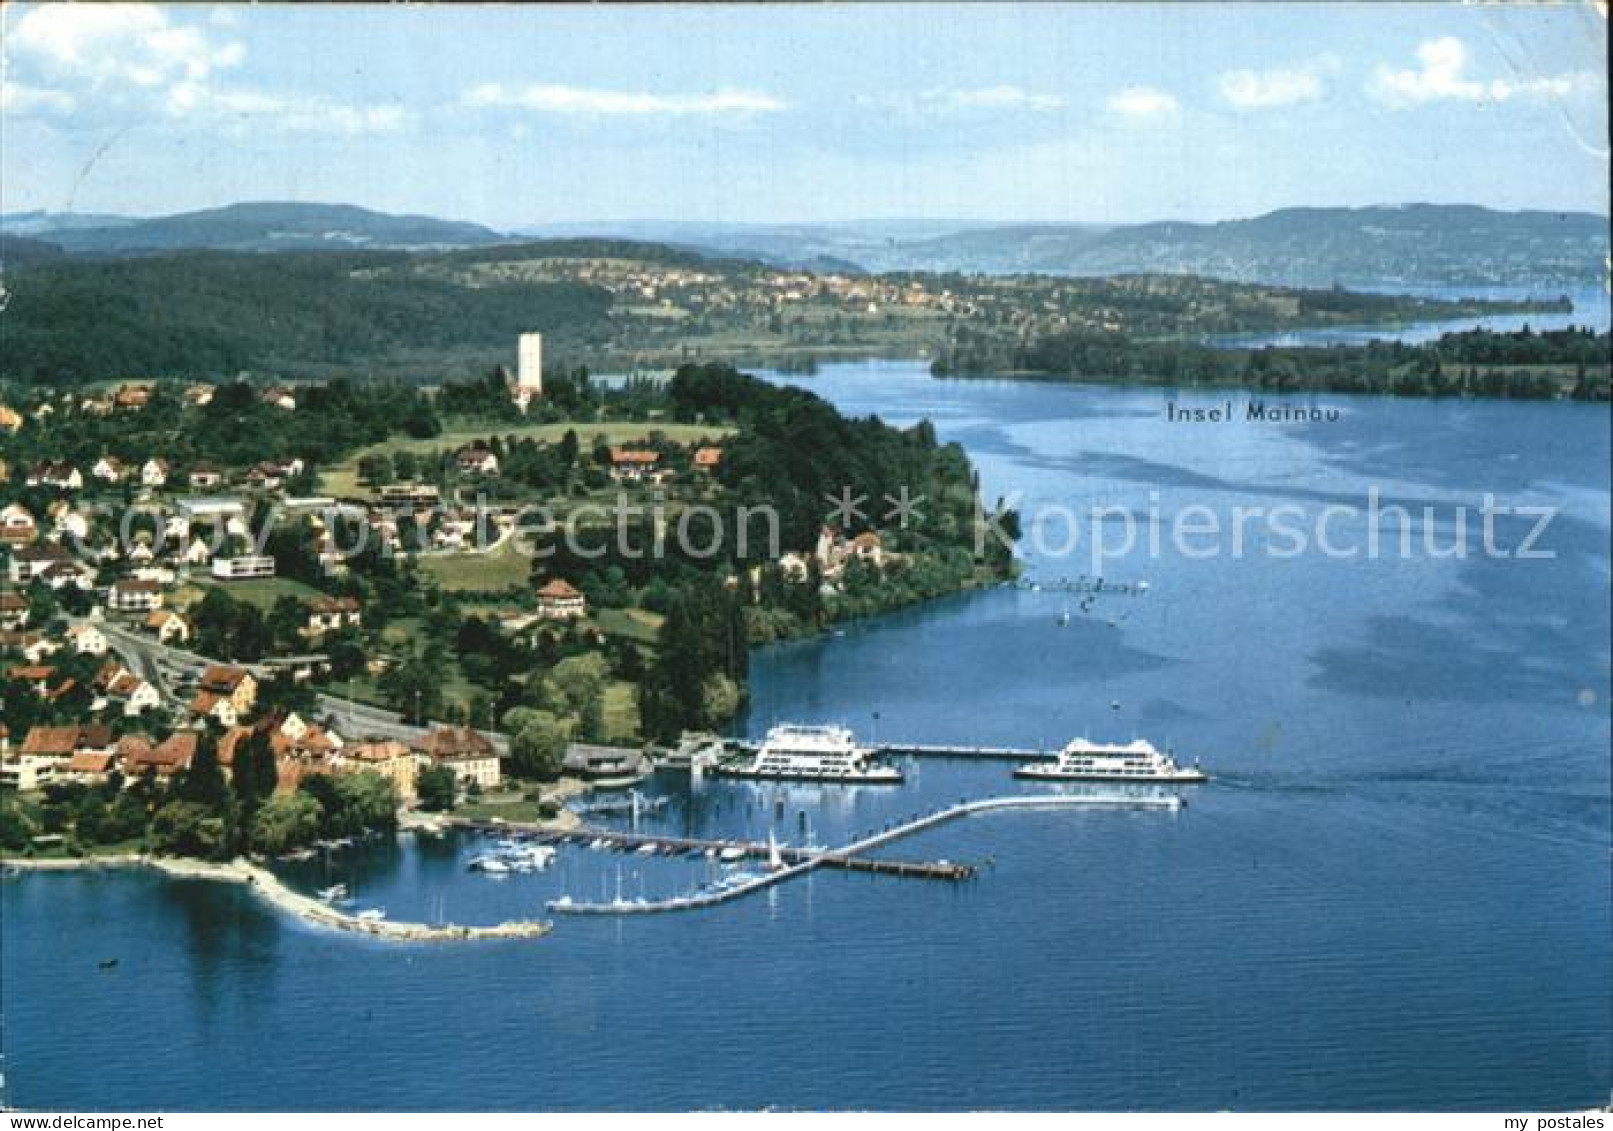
<point>621,709</point>
<point>259,591</point>
<point>638,625</point>
<point>479,573</point>
<point>513,807</point>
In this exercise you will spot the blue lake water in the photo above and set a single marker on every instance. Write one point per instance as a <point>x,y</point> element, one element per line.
<point>1394,894</point>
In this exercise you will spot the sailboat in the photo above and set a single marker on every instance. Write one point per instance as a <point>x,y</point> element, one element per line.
<point>774,860</point>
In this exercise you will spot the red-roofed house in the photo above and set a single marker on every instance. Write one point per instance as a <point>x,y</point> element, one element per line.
<point>558,599</point>
<point>707,459</point>
<point>169,626</point>
<point>629,465</point>
<point>171,756</point>
<point>237,685</point>
<point>470,755</point>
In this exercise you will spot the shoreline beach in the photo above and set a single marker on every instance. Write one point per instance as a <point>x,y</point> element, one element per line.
<point>269,887</point>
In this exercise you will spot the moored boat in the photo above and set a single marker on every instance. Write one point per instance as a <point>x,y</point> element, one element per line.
<point>814,753</point>
<point>1135,761</point>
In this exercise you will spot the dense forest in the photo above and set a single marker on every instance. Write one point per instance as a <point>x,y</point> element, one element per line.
<point>211,314</point>
<point>1555,363</point>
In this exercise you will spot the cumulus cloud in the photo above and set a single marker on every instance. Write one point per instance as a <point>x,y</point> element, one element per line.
<point>133,43</point>
<point>1001,97</point>
<point>1282,86</point>
<point>136,55</point>
<point>556,99</point>
<point>20,98</point>
<point>1143,102</point>
<point>1442,75</point>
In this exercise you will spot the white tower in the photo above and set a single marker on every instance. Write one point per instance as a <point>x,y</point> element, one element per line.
<point>529,369</point>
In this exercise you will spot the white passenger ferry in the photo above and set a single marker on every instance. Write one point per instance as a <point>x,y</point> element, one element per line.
<point>814,753</point>
<point>1138,761</point>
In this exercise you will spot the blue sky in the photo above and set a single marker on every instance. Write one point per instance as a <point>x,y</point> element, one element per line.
<point>1041,112</point>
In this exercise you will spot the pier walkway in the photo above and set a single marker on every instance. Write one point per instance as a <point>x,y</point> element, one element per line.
<point>941,870</point>
<point>801,861</point>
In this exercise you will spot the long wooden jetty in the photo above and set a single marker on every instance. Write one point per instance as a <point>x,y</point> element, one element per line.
<point>790,854</point>
<point>801,861</point>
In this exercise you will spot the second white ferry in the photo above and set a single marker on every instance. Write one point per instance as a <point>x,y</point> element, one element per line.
<point>1138,761</point>
<point>814,753</point>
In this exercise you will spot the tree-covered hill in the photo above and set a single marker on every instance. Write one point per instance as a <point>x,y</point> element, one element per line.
<point>205,314</point>
<point>260,226</point>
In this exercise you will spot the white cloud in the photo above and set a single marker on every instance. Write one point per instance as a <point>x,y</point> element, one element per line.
<point>131,43</point>
<point>555,99</point>
<point>1143,102</point>
<point>1443,76</point>
<point>20,98</point>
<point>296,113</point>
<point>88,51</point>
<point>1282,86</point>
<point>1001,97</point>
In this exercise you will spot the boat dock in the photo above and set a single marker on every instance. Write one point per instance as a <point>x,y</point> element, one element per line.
<point>922,869</point>
<point>800,861</point>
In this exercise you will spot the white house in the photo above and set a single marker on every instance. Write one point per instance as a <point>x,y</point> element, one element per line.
<point>331,613</point>
<point>62,476</point>
<point>219,708</point>
<point>87,640</point>
<point>242,567</point>
<point>109,469</point>
<point>558,599</point>
<point>133,694</point>
<point>467,753</point>
<point>132,595</point>
<point>154,473</point>
<point>17,525</point>
<point>59,575</point>
<point>205,475</point>
<point>477,461</point>
<point>14,610</point>
<point>72,524</point>
<point>169,626</point>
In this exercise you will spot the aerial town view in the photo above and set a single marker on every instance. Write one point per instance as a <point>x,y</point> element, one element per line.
<point>908,557</point>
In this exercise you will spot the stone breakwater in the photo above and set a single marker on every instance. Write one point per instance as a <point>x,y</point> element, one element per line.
<point>267,886</point>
